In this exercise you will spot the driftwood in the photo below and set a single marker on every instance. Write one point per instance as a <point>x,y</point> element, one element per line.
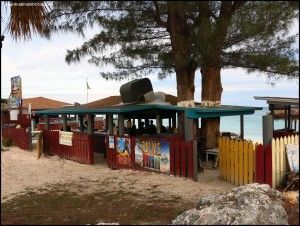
<point>292,182</point>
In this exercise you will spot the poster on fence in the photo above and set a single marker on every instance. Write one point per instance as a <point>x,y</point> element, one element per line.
<point>111,142</point>
<point>123,151</point>
<point>65,138</point>
<point>153,155</point>
<point>292,152</point>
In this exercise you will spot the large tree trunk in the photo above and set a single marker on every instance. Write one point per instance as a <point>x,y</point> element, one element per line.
<point>211,96</point>
<point>185,78</point>
<point>185,66</point>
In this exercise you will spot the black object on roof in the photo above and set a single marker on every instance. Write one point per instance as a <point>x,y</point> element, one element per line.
<point>133,91</point>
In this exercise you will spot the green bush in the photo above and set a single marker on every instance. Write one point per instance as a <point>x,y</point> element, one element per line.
<point>7,142</point>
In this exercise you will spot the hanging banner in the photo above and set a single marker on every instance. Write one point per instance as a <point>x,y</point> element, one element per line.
<point>15,99</point>
<point>153,155</point>
<point>65,138</point>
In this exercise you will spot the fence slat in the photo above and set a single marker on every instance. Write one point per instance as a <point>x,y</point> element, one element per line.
<point>273,163</point>
<point>172,158</point>
<point>236,162</point>
<point>250,161</point>
<point>220,156</point>
<point>268,165</point>
<point>177,158</point>
<point>260,170</point>
<point>182,159</point>
<point>232,161</point>
<point>241,159</point>
<point>277,164</point>
<point>246,157</point>
<point>190,158</point>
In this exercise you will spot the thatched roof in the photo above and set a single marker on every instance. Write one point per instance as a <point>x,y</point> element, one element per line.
<point>279,114</point>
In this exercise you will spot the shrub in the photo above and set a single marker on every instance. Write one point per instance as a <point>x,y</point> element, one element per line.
<point>7,142</point>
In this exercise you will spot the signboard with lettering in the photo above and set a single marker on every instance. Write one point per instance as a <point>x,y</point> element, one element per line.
<point>15,100</point>
<point>153,155</point>
<point>65,138</point>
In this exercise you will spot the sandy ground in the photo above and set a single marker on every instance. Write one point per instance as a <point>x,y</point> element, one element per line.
<point>21,171</point>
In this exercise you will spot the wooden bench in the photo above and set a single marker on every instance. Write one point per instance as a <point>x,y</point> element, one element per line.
<point>214,151</point>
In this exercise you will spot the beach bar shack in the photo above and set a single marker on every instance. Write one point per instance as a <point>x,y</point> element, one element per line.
<point>146,135</point>
<point>283,108</point>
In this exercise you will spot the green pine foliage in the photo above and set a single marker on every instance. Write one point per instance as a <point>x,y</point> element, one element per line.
<point>139,38</point>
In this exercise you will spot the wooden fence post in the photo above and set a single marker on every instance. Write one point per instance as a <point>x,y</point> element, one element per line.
<point>236,163</point>
<point>246,157</point>
<point>241,158</point>
<point>273,163</point>
<point>250,162</point>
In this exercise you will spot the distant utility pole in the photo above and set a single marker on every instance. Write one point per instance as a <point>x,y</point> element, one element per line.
<point>87,90</point>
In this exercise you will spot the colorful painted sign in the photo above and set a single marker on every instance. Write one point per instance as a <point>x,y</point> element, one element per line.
<point>65,138</point>
<point>123,151</point>
<point>111,142</point>
<point>15,99</point>
<point>153,155</point>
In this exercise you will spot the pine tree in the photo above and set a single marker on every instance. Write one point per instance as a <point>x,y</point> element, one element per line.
<point>144,37</point>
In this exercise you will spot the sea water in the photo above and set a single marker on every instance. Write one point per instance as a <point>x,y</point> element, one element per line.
<point>252,125</point>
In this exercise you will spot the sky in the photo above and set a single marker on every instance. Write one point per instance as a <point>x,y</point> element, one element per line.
<point>44,72</point>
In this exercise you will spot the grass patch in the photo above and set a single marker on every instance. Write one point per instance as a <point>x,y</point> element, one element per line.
<point>63,207</point>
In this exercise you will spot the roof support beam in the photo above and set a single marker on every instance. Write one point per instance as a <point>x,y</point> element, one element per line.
<point>158,123</point>
<point>109,119</point>
<point>46,122</point>
<point>64,118</point>
<point>121,124</point>
<point>242,126</point>
<point>90,129</point>
<point>289,117</point>
<point>81,126</point>
<point>267,129</point>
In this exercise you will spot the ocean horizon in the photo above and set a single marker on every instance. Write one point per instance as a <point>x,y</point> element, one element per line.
<point>252,125</point>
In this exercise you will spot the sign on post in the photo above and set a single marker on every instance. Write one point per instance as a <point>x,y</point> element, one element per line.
<point>65,138</point>
<point>15,100</point>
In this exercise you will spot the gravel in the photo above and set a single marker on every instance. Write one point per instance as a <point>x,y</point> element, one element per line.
<point>22,171</point>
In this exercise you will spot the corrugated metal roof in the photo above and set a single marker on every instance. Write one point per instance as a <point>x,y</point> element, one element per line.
<point>279,100</point>
<point>38,103</point>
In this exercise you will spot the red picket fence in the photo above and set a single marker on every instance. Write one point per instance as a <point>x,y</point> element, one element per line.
<point>24,120</point>
<point>264,164</point>
<point>19,136</point>
<point>181,156</point>
<point>182,159</point>
<point>80,151</point>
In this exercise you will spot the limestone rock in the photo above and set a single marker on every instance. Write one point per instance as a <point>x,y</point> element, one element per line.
<point>249,204</point>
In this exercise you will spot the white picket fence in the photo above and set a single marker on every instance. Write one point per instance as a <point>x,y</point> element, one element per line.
<point>279,158</point>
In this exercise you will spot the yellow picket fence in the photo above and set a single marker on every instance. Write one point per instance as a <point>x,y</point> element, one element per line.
<point>237,161</point>
<point>279,158</point>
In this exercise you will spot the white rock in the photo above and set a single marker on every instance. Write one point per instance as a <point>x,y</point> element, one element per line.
<point>249,204</point>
